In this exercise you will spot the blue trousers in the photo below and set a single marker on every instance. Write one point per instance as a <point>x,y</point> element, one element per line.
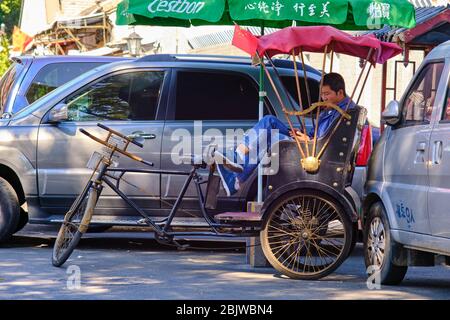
<point>261,132</point>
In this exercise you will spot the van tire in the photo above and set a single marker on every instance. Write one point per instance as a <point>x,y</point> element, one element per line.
<point>9,210</point>
<point>389,273</point>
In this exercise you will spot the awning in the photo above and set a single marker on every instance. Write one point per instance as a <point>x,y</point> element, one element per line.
<point>432,28</point>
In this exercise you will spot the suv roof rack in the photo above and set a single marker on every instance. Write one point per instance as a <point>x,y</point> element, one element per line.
<point>280,63</point>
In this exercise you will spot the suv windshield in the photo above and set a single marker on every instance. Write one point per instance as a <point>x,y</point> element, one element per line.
<point>7,82</point>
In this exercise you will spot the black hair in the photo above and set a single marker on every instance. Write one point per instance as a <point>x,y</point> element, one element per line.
<point>335,81</point>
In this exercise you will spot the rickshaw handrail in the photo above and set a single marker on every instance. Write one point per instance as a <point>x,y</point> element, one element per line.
<point>316,105</point>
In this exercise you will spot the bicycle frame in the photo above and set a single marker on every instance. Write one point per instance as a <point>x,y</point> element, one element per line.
<point>162,228</point>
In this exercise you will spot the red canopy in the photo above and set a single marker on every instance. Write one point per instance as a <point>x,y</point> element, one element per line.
<point>315,38</point>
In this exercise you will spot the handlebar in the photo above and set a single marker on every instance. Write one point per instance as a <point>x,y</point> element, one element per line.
<point>120,135</point>
<point>108,145</point>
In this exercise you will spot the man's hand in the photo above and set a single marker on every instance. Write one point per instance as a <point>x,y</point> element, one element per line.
<point>299,135</point>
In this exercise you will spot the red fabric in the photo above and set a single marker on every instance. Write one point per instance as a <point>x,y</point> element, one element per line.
<point>315,38</point>
<point>245,40</point>
<point>365,146</point>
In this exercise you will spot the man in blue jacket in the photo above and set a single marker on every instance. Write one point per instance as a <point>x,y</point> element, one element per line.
<point>333,91</point>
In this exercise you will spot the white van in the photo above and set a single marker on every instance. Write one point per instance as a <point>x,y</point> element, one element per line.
<point>406,209</point>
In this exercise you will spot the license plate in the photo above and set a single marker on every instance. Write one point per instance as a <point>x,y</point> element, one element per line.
<point>94,160</point>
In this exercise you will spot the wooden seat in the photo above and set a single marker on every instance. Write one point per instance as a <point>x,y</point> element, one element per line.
<point>238,216</point>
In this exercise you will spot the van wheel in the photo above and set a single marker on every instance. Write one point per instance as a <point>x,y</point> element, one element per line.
<point>379,247</point>
<point>9,210</point>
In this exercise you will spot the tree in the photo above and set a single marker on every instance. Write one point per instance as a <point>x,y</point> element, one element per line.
<point>9,15</point>
<point>4,54</point>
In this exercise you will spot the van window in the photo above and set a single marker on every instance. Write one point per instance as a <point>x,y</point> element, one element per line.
<point>446,115</point>
<point>420,100</point>
<point>54,75</point>
<point>215,96</point>
<point>7,82</point>
<point>126,96</point>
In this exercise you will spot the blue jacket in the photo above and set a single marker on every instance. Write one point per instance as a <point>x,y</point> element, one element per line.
<point>327,118</point>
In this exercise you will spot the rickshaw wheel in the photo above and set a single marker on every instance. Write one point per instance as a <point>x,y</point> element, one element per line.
<point>306,234</point>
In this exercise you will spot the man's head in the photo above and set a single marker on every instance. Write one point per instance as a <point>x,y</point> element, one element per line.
<point>333,88</point>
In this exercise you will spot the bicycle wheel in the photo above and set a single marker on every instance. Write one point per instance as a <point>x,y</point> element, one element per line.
<point>76,222</point>
<point>306,235</point>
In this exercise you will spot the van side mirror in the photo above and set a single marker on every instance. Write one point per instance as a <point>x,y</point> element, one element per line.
<point>58,113</point>
<point>391,115</point>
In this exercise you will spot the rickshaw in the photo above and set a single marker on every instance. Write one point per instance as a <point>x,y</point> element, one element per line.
<point>307,222</point>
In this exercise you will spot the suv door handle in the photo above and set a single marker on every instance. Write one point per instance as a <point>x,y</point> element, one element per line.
<point>141,134</point>
<point>437,152</point>
<point>422,146</point>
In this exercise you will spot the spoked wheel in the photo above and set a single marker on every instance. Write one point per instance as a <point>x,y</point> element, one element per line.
<point>306,235</point>
<point>376,241</point>
<point>75,224</point>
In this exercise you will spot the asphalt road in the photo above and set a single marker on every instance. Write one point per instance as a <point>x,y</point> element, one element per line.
<point>131,265</point>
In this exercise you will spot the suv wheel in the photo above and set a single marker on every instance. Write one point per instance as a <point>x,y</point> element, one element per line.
<point>23,220</point>
<point>379,247</point>
<point>9,210</point>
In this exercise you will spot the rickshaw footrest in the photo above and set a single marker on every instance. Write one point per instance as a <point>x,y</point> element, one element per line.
<point>238,216</point>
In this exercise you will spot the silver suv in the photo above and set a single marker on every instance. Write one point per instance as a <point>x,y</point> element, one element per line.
<point>406,208</point>
<point>43,156</point>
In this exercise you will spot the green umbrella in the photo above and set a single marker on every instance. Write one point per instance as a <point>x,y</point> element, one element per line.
<point>342,14</point>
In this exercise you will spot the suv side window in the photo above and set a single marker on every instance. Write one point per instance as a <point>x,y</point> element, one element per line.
<point>290,84</point>
<point>54,75</point>
<point>419,103</point>
<point>215,96</point>
<point>125,96</point>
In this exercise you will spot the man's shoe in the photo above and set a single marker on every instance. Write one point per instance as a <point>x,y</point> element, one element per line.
<point>229,164</point>
<point>228,179</point>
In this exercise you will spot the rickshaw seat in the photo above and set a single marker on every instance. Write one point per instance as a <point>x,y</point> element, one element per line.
<point>337,162</point>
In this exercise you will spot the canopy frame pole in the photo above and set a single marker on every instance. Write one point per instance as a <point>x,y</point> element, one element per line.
<point>324,62</point>
<point>305,76</point>
<point>331,59</point>
<point>283,107</point>
<point>316,127</point>
<point>300,102</point>
<point>369,55</point>
<point>348,104</point>
<point>364,84</point>
<point>281,82</point>
<point>287,95</point>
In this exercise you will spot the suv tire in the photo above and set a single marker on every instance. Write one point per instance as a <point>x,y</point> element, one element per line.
<point>23,220</point>
<point>9,210</point>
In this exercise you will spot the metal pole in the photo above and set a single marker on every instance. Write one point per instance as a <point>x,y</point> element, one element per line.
<point>262,95</point>
<point>383,92</point>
